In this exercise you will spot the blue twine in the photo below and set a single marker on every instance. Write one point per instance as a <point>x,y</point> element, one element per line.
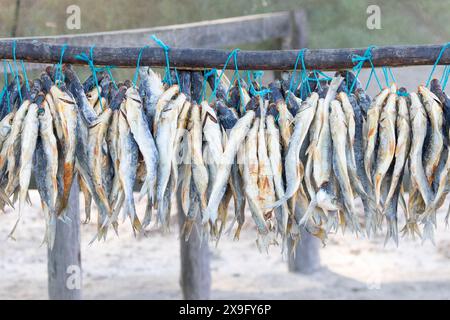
<point>5,88</point>
<point>136,72</point>
<point>233,54</point>
<point>360,60</point>
<point>386,75</point>
<point>391,74</point>
<point>166,48</point>
<point>444,47</point>
<point>206,75</point>
<point>300,56</point>
<point>59,76</point>
<point>16,69</point>
<point>178,79</point>
<point>253,91</point>
<point>24,71</point>
<point>402,93</point>
<point>90,61</point>
<point>108,70</point>
<point>444,78</point>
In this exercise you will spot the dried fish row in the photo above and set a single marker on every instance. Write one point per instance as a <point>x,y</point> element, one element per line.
<point>286,161</point>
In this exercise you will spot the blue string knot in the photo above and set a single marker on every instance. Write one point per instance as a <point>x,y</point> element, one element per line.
<point>444,47</point>
<point>90,61</point>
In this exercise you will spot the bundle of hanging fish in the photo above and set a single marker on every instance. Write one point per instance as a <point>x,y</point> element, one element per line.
<point>296,159</point>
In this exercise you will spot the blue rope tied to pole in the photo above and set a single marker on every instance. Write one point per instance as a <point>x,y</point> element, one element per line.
<point>166,48</point>
<point>233,54</point>
<point>360,60</point>
<point>24,71</point>
<point>16,69</point>
<point>108,69</point>
<point>5,92</point>
<point>444,47</point>
<point>318,77</point>
<point>59,76</point>
<point>294,84</point>
<point>206,75</point>
<point>444,78</point>
<point>136,72</point>
<point>178,79</point>
<point>253,91</point>
<point>90,61</point>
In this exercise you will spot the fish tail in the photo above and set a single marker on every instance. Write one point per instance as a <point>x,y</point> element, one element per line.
<point>187,227</point>
<point>332,222</point>
<point>51,231</point>
<point>263,241</point>
<point>87,208</point>
<point>4,198</point>
<point>22,200</point>
<point>392,231</point>
<point>148,214</point>
<point>428,231</point>
<point>238,232</point>
<point>429,213</point>
<point>411,228</point>
<point>447,216</point>
<point>371,220</point>
<point>309,212</point>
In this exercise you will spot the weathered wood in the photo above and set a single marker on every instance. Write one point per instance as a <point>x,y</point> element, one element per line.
<point>322,59</point>
<point>211,33</point>
<point>297,37</point>
<point>195,276</point>
<point>306,258</point>
<point>64,260</point>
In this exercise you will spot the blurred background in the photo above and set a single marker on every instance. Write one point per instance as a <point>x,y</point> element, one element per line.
<point>148,268</point>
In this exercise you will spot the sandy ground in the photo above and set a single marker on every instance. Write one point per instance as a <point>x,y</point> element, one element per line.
<point>148,268</point>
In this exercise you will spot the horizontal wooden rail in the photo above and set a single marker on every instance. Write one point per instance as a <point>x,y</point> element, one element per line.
<point>211,33</point>
<point>183,58</point>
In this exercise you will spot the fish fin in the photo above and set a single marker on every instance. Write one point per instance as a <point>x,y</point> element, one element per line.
<point>411,229</point>
<point>428,231</point>
<point>309,212</point>
<point>263,241</point>
<point>392,231</point>
<point>4,198</point>
<point>148,214</point>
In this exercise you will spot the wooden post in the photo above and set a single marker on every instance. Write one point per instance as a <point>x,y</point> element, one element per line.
<point>298,32</point>
<point>306,258</point>
<point>195,278</point>
<point>64,260</point>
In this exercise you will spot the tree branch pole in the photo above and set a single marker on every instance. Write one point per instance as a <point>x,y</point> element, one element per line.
<point>184,58</point>
<point>64,260</point>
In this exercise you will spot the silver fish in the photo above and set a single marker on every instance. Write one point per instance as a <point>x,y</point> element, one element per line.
<point>144,139</point>
<point>128,155</point>
<point>371,130</point>
<point>237,136</point>
<point>293,167</point>
<point>165,139</point>
<point>387,143</point>
<point>27,146</point>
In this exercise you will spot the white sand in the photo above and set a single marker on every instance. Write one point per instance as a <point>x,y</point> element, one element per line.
<point>148,268</point>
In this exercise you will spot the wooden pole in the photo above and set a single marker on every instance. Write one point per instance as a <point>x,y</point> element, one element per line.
<point>322,59</point>
<point>64,260</point>
<point>305,257</point>
<point>195,278</point>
